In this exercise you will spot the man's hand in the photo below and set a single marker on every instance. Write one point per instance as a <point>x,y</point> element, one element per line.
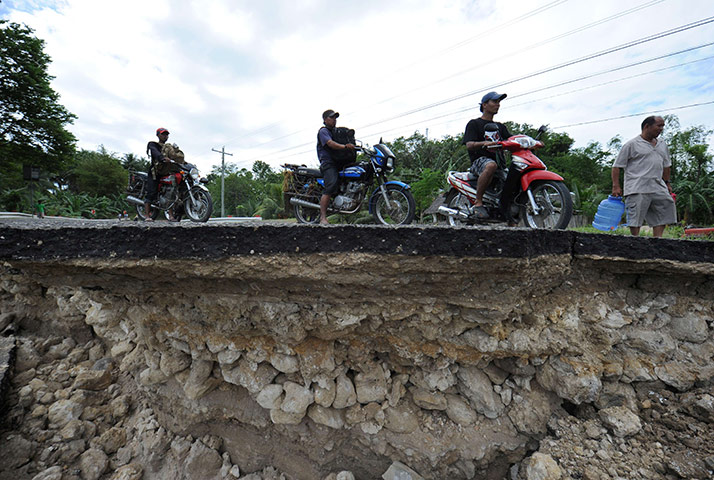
<point>616,191</point>
<point>349,146</point>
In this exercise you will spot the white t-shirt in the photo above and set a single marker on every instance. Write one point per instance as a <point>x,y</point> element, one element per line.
<point>643,164</point>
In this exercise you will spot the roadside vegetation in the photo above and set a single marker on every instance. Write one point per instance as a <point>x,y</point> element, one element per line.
<point>80,183</point>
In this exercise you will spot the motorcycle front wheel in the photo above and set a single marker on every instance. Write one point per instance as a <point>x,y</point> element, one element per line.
<point>398,208</point>
<point>199,210</point>
<point>554,203</point>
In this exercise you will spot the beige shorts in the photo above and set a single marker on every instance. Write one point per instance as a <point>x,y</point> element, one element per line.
<point>654,208</point>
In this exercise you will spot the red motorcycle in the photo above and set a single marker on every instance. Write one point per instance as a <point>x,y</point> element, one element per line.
<point>526,193</point>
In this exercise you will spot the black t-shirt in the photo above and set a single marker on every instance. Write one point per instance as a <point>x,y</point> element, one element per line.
<point>475,133</point>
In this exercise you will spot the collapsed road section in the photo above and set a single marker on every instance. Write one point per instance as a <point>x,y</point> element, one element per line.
<point>355,350</point>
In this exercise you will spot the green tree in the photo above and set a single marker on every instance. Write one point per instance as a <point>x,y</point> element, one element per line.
<point>97,173</point>
<point>134,162</point>
<point>32,121</point>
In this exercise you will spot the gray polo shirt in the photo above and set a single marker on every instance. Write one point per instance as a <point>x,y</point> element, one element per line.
<point>643,164</point>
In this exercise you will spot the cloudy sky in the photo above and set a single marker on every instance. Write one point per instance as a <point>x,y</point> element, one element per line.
<point>255,76</point>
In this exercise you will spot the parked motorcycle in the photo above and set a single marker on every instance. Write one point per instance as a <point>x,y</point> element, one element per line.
<point>391,202</point>
<point>181,193</point>
<point>535,196</point>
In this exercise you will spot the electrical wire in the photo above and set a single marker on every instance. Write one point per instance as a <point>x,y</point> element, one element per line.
<point>588,57</point>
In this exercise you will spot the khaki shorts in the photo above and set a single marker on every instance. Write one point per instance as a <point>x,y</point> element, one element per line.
<point>654,208</point>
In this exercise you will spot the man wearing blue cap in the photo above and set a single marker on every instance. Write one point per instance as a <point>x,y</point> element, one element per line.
<point>485,162</point>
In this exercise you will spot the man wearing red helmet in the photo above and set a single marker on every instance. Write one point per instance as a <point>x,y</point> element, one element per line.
<point>160,166</point>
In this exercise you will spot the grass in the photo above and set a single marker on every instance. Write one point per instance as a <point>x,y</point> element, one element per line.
<point>672,231</point>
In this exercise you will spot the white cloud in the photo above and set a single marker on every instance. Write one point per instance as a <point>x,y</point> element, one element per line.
<point>255,76</point>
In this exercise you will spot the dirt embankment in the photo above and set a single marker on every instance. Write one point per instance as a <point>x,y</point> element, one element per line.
<point>340,352</point>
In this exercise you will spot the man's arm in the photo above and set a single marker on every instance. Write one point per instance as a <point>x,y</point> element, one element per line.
<point>473,139</point>
<point>338,146</point>
<point>616,189</point>
<point>665,176</point>
<point>156,155</point>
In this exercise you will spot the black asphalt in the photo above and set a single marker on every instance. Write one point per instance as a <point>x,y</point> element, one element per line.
<point>47,239</point>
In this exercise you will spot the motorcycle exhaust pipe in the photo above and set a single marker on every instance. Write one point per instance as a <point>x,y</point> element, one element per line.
<point>133,200</point>
<point>303,203</point>
<point>451,212</point>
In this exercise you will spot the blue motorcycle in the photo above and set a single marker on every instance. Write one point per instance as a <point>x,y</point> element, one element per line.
<point>391,202</point>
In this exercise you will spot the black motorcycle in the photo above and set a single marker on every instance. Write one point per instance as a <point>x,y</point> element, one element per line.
<point>391,202</point>
<point>181,193</point>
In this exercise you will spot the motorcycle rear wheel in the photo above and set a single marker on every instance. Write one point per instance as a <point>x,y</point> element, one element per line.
<point>400,208</point>
<point>307,215</point>
<point>201,209</point>
<point>459,202</point>
<point>556,206</point>
<point>141,215</point>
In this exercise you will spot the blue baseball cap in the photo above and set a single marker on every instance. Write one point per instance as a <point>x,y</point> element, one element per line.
<point>493,96</point>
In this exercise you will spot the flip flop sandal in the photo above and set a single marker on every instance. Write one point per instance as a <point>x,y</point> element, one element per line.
<point>148,219</point>
<point>481,212</point>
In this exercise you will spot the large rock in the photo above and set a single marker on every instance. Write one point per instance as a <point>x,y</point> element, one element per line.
<point>202,462</point>
<point>297,398</point>
<point>249,375</point>
<point>371,384</point>
<point>327,416</point>
<point>93,463</point>
<point>173,362</point>
<point>345,394</point>
<point>475,385</point>
<point>576,380</point>
<point>690,328</point>
<point>541,466</point>
<point>621,421</point>
<point>199,381</point>
<point>63,411</point>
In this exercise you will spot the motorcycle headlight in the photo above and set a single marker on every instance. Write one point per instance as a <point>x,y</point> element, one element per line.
<point>194,174</point>
<point>525,141</point>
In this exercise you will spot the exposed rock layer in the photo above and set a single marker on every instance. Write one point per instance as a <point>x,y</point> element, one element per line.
<point>457,352</point>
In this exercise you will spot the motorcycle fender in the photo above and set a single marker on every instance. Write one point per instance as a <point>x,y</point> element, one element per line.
<point>534,175</point>
<point>373,198</point>
<point>199,186</point>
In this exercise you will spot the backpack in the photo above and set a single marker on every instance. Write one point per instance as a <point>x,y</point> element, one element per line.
<point>343,135</point>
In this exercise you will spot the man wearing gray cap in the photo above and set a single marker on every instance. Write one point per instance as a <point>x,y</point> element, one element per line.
<point>328,166</point>
<point>485,162</point>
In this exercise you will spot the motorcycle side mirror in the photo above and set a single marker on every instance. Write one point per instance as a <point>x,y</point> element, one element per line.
<point>541,130</point>
<point>380,140</point>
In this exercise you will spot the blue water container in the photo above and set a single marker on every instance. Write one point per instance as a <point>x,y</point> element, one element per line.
<point>609,213</point>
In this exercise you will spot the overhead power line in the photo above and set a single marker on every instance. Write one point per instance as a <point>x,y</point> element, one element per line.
<point>487,62</point>
<point>651,112</point>
<point>423,59</point>
<point>550,69</point>
<point>568,63</point>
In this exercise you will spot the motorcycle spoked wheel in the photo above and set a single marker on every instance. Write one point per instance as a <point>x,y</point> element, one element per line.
<point>457,201</point>
<point>307,215</point>
<point>556,205</point>
<point>201,209</point>
<point>399,209</point>
<point>141,215</point>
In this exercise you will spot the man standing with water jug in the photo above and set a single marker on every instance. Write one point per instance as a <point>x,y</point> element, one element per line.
<point>648,193</point>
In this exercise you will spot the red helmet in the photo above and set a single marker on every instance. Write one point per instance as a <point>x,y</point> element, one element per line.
<point>160,131</point>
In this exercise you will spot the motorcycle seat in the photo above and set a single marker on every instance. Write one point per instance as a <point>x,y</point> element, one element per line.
<point>312,172</point>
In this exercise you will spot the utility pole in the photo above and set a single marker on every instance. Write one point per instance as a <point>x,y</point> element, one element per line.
<point>223,153</point>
